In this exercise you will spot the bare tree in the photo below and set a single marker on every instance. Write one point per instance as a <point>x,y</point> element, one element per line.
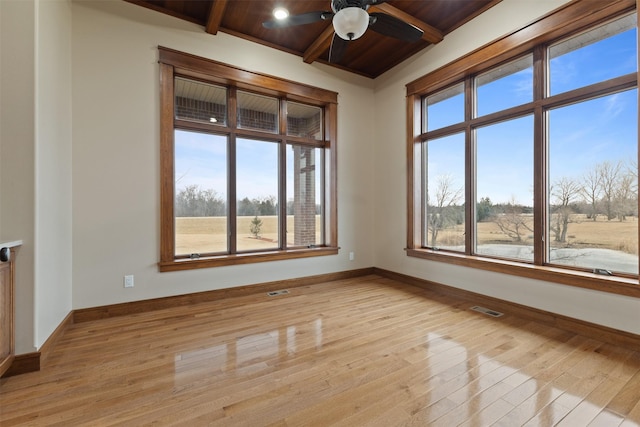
<point>591,190</point>
<point>632,169</point>
<point>632,172</point>
<point>624,196</point>
<point>512,222</point>
<point>563,191</point>
<point>445,196</point>
<point>609,175</point>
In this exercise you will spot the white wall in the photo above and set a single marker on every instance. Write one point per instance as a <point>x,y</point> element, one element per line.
<point>17,141</point>
<point>52,166</point>
<point>116,156</point>
<point>35,161</point>
<point>390,203</point>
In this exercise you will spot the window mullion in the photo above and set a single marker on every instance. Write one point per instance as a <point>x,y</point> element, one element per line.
<point>232,210</point>
<point>415,223</point>
<point>282,178</point>
<point>540,158</point>
<point>423,169</point>
<point>167,195</point>
<point>470,169</point>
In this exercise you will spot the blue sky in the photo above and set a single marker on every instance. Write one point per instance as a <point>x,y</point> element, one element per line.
<point>580,135</point>
<point>201,159</point>
<point>257,169</point>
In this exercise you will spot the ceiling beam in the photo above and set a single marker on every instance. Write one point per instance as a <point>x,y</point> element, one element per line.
<point>215,16</point>
<point>430,34</point>
<point>320,45</point>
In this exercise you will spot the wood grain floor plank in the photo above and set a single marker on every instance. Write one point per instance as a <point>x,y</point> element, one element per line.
<point>626,398</point>
<point>633,418</point>
<point>361,351</point>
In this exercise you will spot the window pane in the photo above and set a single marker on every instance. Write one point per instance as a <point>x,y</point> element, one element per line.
<point>200,193</point>
<point>504,188</point>
<point>604,53</point>
<point>444,210</point>
<point>200,102</point>
<point>304,196</point>
<point>444,108</point>
<point>304,120</point>
<point>593,179</point>
<point>257,112</point>
<point>257,193</point>
<point>506,86</point>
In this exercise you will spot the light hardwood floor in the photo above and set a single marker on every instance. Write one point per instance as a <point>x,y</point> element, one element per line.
<point>364,351</point>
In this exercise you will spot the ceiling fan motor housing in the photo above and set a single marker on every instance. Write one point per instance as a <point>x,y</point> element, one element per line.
<point>337,5</point>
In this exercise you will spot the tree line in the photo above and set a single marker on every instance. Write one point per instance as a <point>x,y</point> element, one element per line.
<point>608,189</point>
<point>193,201</point>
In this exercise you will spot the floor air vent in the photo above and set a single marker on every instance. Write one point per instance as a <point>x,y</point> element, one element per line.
<point>276,293</point>
<point>487,311</point>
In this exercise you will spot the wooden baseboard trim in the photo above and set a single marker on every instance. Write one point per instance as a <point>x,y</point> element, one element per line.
<point>48,345</point>
<point>23,364</point>
<point>30,362</point>
<point>581,327</point>
<point>115,310</point>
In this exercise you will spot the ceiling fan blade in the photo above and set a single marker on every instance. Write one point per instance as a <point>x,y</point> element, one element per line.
<point>372,2</point>
<point>337,49</point>
<point>293,20</point>
<point>388,25</point>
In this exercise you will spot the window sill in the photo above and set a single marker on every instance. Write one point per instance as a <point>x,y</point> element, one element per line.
<point>612,284</point>
<point>248,258</point>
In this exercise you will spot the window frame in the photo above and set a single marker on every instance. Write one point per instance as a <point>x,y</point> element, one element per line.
<point>571,19</point>
<point>178,64</point>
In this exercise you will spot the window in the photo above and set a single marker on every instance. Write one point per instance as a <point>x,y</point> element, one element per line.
<point>504,183</point>
<point>247,166</point>
<point>593,183</point>
<point>444,208</point>
<point>526,161</point>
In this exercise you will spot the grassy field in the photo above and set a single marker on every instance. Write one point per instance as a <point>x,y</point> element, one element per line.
<point>616,235</point>
<point>209,234</point>
<point>583,233</point>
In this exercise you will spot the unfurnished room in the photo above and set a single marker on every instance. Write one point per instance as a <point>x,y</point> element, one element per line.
<point>319,213</point>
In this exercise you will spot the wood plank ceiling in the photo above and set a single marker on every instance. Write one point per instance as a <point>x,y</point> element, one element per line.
<point>370,55</point>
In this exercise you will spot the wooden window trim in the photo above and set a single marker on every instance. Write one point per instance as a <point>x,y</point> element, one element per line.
<point>571,18</point>
<point>615,284</point>
<point>174,63</point>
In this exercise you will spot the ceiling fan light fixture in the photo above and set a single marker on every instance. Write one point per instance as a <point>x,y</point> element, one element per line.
<point>350,23</point>
<point>280,13</point>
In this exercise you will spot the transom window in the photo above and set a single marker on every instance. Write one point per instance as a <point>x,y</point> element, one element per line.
<point>248,172</point>
<point>531,159</point>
